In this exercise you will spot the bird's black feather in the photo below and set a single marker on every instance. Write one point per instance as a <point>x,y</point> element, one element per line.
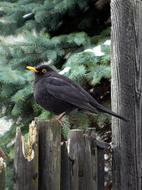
<point>58,94</point>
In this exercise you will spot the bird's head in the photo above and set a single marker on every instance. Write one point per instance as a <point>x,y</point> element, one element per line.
<point>40,70</point>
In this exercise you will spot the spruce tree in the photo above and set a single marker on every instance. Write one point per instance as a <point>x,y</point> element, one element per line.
<point>70,35</point>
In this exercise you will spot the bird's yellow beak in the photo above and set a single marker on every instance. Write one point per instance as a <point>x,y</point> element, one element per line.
<point>33,69</point>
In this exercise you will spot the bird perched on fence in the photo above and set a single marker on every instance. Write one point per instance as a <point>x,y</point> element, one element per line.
<point>60,95</point>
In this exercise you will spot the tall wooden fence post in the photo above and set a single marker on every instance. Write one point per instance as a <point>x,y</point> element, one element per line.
<point>49,155</point>
<point>26,161</point>
<point>2,174</point>
<point>127,93</point>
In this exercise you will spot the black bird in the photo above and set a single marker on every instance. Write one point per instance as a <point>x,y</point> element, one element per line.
<point>59,94</point>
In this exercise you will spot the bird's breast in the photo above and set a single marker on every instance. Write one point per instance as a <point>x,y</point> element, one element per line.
<point>49,102</point>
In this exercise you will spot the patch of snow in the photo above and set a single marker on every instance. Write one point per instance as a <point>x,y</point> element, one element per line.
<point>107,42</point>
<point>27,15</point>
<point>65,70</point>
<point>11,143</point>
<point>5,125</point>
<point>96,50</point>
<point>13,39</point>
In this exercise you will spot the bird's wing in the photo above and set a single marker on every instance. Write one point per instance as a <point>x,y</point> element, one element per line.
<point>64,89</point>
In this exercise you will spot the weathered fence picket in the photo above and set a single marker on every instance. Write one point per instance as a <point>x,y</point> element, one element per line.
<point>65,168</point>
<point>2,174</point>
<point>82,161</point>
<point>49,155</point>
<point>26,161</point>
<point>50,164</point>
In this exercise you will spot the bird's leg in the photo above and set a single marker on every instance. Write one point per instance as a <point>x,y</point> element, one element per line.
<point>60,118</point>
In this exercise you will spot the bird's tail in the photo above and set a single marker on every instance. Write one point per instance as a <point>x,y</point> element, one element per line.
<point>106,110</point>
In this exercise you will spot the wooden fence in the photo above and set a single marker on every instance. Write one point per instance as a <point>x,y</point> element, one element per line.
<point>46,163</point>
<point>2,172</point>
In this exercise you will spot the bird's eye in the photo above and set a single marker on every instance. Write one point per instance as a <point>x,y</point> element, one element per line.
<point>44,70</point>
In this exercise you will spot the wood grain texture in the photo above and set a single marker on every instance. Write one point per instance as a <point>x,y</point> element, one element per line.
<point>80,155</point>
<point>2,176</point>
<point>66,165</point>
<point>26,164</point>
<point>49,155</point>
<point>100,168</point>
<point>48,164</point>
<point>126,61</point>
<point>82,166</point>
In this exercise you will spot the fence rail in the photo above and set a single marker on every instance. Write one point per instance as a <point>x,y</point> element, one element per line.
<point>46,163</point>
